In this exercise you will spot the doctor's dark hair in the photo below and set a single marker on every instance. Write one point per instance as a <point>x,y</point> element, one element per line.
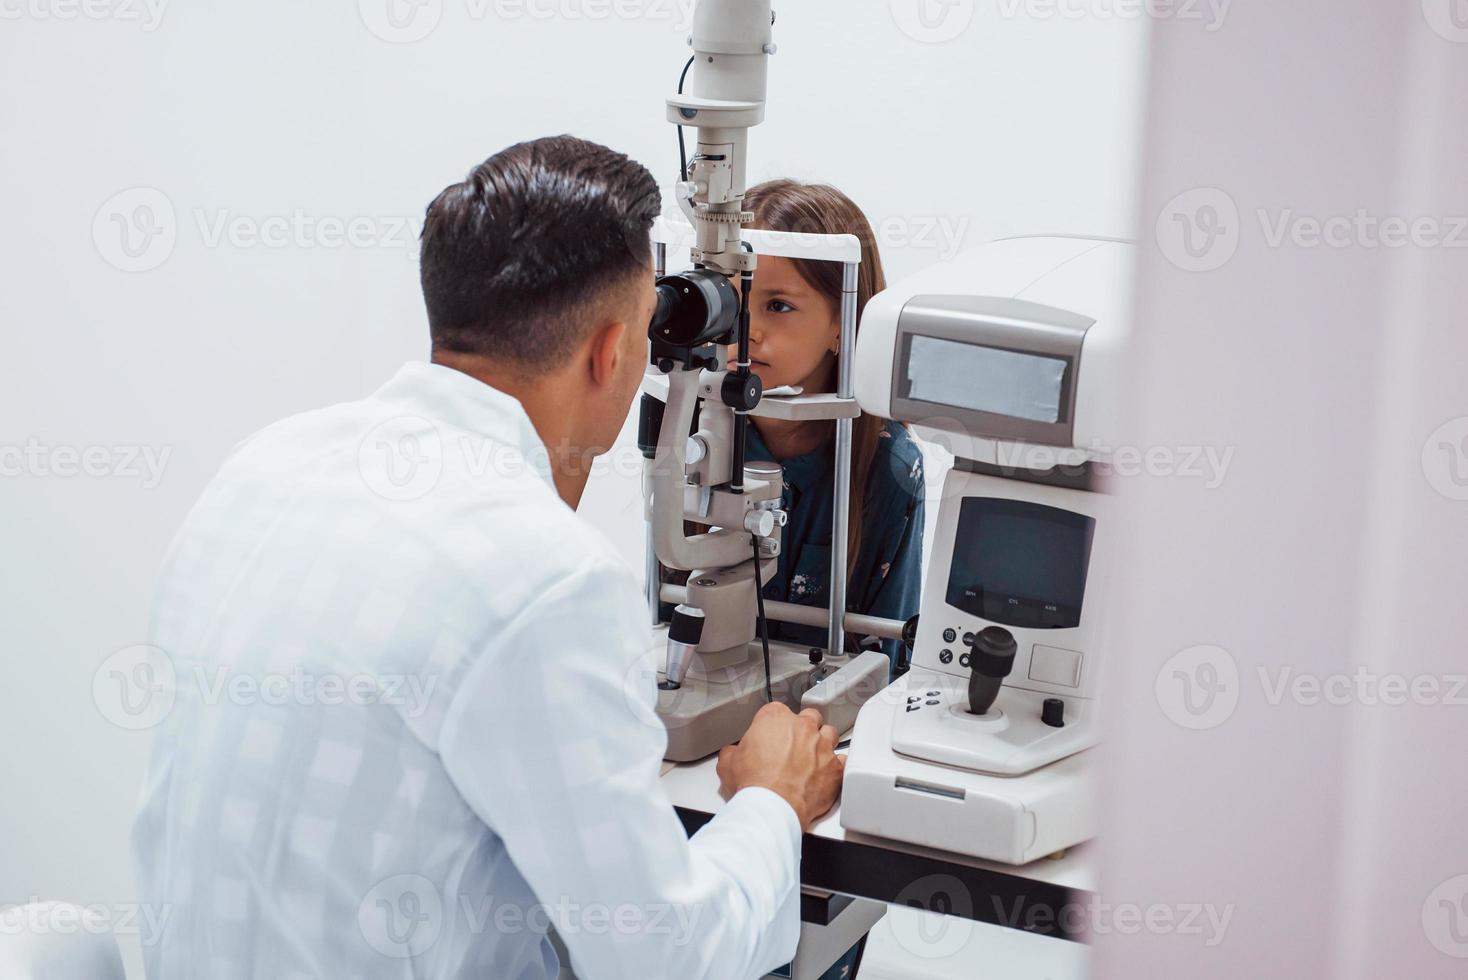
<point>516,260</point>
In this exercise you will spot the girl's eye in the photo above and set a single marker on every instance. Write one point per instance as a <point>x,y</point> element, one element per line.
<point>779,306</point>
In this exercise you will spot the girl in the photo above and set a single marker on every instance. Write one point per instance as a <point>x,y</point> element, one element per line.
<point>794,339</point>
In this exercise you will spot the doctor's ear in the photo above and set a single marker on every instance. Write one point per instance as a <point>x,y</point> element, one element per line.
<point>607,349</point>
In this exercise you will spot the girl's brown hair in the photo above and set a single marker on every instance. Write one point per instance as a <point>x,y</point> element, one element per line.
<point>795,207</point>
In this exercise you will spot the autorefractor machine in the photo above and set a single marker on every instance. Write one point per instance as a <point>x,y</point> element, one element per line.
<point>1011,356</point>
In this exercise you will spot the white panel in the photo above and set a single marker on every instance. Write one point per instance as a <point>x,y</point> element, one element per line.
<point>1052,665</point>
<point>1318,831</point>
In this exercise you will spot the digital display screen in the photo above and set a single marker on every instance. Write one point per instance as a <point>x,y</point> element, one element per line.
<point>985,379</point>
<point>1019,563</point>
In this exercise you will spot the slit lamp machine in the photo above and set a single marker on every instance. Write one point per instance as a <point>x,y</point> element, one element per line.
<point>1010,355</point>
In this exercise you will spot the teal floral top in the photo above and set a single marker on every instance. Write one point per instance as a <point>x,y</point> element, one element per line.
<point>887,578</point>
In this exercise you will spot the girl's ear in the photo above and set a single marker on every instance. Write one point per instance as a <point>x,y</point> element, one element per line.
<point>835,346</point>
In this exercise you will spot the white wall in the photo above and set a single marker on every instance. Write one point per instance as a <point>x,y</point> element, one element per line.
<point>252,110</point>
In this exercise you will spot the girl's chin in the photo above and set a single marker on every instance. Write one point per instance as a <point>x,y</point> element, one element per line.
<point>766,381</point>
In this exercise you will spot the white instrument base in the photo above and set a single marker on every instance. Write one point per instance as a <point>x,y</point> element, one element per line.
<point>714,707</point>
<point>934,725</point>
<point>1013,819</point>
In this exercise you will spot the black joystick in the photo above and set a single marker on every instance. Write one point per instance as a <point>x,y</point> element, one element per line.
<point>991,658</point>
<point>684,632</point>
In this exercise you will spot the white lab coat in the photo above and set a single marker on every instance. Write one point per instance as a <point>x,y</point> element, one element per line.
<point>414,725</point>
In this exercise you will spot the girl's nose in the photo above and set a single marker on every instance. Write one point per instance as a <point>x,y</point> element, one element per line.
<point>754,342</point>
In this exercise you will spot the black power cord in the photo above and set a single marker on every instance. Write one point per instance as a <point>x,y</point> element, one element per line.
<point>764,626</point>
<point>682,151</point>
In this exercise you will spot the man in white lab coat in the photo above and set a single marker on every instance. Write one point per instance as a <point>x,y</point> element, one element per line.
<point>413,725</point>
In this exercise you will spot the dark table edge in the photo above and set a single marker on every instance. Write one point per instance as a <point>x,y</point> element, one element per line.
<point>898,878</point>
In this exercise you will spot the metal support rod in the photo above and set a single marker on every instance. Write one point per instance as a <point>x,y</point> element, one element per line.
<point>790,612</point>
<point>652,568</point>
<point>654,572</point>
<point>741,371</point>
<point>841,510</point>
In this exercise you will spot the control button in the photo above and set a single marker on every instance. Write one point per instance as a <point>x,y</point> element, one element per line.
<point>946,656</point>
<point>914,699</point>
<point>932,702</point>
<point>950,634</point>
<point>963,661</point>
<point>1052,665</point>
<point>1052,713</point>
<point>913,707</point>
<point>933,694</point>
<point>968,639</point>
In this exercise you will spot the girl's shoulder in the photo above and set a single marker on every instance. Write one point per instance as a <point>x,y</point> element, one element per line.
<point>897,467</point>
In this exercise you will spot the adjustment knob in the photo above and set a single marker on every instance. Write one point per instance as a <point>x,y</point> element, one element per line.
<point>760,523</point>
<point>1052,713</point>
<point>741,391</point>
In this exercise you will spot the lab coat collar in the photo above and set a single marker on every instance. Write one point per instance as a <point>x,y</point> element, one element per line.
<point>442,394</point>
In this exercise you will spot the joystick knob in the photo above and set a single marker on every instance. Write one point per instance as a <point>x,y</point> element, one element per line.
<point>991,658</point>
<point>684,632</point>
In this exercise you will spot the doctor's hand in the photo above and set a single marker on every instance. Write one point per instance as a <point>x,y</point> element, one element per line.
<point>791,755</point>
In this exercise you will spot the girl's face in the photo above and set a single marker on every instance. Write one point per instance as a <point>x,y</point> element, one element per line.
<point>794,331</point>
